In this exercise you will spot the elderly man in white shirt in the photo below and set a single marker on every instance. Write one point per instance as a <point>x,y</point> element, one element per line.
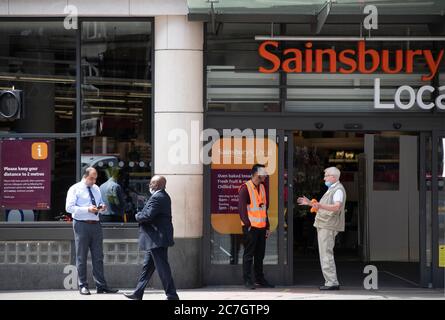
<point>329,221</point>
<point>84,202</point>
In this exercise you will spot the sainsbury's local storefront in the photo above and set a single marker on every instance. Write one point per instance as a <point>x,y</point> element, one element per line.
<point>119,91</point>
<point>368,102</point>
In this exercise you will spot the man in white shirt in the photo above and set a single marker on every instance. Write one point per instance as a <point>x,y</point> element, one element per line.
<point>329,221</point>
<point>84,202</point>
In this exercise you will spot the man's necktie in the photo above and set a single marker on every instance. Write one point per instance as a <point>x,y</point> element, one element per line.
<point>93,201</point>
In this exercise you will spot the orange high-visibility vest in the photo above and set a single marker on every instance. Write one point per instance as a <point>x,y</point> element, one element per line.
<point>256,210</point>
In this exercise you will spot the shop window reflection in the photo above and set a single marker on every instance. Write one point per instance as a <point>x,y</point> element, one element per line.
<point>226,237</point>
<point>116,110</point>
<point>233,83</point>
<point>39,58</point>
<point>229,248</point>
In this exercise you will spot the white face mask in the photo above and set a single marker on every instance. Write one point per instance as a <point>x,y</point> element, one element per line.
<point>152,190</point>
<point>262,172</point>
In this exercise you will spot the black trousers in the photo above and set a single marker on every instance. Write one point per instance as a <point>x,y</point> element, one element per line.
<point>89,237</point>
<point>254,250</point>
<point>156,259</point>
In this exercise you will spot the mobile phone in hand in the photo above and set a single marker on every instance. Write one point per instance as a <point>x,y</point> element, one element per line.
<point>99,207</point>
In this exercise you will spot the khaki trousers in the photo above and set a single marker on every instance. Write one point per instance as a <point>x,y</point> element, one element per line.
<point>326,243</point>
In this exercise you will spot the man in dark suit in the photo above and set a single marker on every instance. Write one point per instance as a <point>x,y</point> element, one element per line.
<point>155,236</point>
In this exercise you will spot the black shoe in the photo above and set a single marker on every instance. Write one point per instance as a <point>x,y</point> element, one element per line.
<point>264,284</point>
<point>132,296</point>
<point>172,298</point>
<point>249,285</point>
<point>106,290</point>
<point>337,287</point>
<point>84,291</point>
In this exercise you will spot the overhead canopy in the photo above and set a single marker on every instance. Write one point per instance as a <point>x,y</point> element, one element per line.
<point>308,11</point>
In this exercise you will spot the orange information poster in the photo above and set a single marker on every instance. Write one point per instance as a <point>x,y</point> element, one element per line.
<point>232,161</point>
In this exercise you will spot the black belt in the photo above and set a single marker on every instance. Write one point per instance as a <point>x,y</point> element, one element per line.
<point>88,221</point>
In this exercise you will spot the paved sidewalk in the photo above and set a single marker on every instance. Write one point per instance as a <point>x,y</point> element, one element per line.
<point>239,293</point>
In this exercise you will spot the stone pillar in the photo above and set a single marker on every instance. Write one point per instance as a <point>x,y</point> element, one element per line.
<point>178,104</point>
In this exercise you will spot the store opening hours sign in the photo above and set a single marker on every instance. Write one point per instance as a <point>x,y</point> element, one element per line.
<point>25,181</point>
<point>225,187</point>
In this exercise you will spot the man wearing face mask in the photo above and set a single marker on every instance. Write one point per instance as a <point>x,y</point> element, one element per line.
<point>155,236</point>
<point>329,221</point>
<point>252,208</point>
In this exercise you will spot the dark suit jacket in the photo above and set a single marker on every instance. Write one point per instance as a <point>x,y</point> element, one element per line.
<point>155,222</point>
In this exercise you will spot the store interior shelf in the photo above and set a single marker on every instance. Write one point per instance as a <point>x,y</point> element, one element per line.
<point>343,160</point>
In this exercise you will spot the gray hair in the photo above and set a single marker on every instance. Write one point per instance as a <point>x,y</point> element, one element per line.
<point>333,171</point>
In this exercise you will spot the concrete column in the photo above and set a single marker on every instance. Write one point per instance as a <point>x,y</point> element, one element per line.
<point>178,106</point>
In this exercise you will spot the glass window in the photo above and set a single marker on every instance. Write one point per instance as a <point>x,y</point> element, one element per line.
<point>326,91</point>
<point>386,163</point>
<point>38,63</point>
<point>233,81</point>
<point>116,111</point>
<point>232,160</point>
<point>312,76</point>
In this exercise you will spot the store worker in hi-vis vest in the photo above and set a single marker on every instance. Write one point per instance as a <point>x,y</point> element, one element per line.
<point>252,208</point>
<point>329,221</point>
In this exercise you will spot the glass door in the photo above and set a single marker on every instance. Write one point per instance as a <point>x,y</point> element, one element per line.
<point>438,217</point>
<point>288,206</point>
<point>393,197</point>
<point>232,160</point>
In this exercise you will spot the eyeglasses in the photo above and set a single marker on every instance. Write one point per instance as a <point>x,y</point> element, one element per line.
<point>328,175</point>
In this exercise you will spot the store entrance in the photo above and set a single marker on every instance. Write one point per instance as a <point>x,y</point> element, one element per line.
<point>379,171</point>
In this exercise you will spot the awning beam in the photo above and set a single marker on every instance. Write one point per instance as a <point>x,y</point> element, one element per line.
<point>311,19</point>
